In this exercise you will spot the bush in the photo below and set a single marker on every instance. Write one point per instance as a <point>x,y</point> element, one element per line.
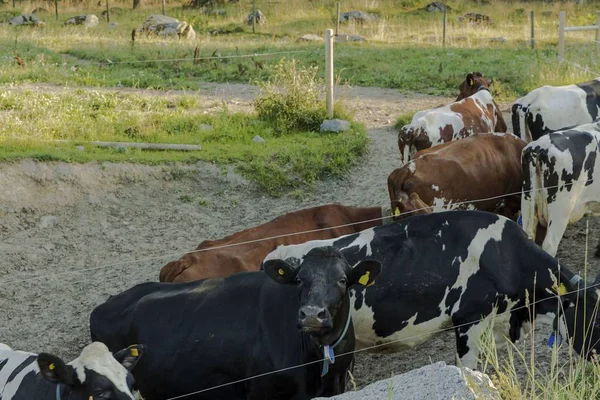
<point>291,99</point>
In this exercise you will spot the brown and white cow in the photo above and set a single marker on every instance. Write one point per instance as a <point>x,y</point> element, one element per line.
<point>225,261</point>
<point>477,113</point>
<point>478,167</point>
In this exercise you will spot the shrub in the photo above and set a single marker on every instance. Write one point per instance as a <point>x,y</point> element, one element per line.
<point>291,98</point>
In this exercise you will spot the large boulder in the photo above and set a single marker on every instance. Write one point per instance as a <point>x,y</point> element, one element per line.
<point>259,17</point>
<point>167,26</point>
<point>25,20</point>
<point>357,16</point>
<point>436,381</point>
<point>89,20</point>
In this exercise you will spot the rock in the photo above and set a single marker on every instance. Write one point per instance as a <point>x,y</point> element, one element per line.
<point>335,125</point>
<point>436,381</point>
<point>358,16</point>
<point>225,31</point>
<point>79,148</point>
<point>498,39</point>
<point>48,221</point>
<point>39,10</point>
<point>258,139</point>
<point>310,38</point>
<point>259,16</point>
<point>344,37</point>
<point>26,20</point>
<point>437,6</point>
<point>89,20</point>
<point>205,127</point>
<point>167,26</point>
<point>112,25</point>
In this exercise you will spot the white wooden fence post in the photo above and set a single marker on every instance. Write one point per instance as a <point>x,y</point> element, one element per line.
<point>561,33</point>
<point>597,30</point>
<point>329,72</point>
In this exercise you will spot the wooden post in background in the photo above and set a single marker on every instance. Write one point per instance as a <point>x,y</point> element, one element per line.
<point>337,19</point>
<point>253,16</point>
<point>532,30</point>
<point>597,30</point>
<point>56,8</point>
<point>164,6</point>
<point>107,11</point>
<point>562,17</point>
<point>329,72</point>
<point>444,28</point>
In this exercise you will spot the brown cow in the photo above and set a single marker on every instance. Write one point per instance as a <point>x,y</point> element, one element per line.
<point>225,261</point>
<point>478,167</point>
<point>472,83</point>
<point>477,113</point>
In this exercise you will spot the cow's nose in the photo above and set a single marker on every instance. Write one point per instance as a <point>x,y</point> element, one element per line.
<point>313,317</point>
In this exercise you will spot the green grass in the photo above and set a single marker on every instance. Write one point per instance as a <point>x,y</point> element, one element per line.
<point>30,122</point>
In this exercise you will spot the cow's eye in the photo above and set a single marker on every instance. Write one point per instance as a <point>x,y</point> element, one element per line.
<point>343,281</point>
<point>298,281</point>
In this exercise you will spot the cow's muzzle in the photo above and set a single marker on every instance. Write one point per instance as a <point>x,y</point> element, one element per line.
<point>313,319</point>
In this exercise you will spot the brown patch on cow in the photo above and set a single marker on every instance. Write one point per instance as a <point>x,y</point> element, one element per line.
<point>447,133</point>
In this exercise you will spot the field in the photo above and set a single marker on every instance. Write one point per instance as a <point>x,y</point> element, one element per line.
<point>119,216</point>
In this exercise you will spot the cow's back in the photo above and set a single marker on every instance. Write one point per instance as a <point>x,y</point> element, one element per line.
<point>221,258</point>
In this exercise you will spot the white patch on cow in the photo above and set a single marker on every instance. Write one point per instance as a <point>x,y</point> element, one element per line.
<point>298,251</point>
<point>439,233</point>
<point>470,265</point>
<point>445,223</point>
<point>412,167</point>
<point>15,358</point>
<point>407,154</point>
<point>363,239</point>
<point>96,357</point>
<point>443,247</point>
<point>470,207</point>
<point>568,206</point>
<point>435,187</point>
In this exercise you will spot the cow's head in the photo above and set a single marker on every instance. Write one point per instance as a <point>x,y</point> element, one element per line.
<point>322,280</point>
<point>408,205</point>
<point>472,83</point>
<point>96,374</point>
<point>583,320</point>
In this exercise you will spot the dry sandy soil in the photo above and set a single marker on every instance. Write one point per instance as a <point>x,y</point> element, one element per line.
<point>119,223</point>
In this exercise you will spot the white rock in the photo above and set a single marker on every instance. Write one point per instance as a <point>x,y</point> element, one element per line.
<point>26,19</point>
<point>167,26</point>
<point>89,20</point>
<point>344,37</point>
<point>258,139</point>
<point>335,125</point>
<point>310,38</point>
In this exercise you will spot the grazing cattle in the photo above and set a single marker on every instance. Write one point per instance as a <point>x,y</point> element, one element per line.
<point>95,374</point>
<point>558,182</point>
<point>477,113</point>
<point>211,333</point>
<point>482,166</point>
<point>552,108</point>
<point>450,269</point>
<point>232,258</point>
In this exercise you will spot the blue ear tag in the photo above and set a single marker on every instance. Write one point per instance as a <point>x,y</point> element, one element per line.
<point>328,358</point>
<point>554,338</point>
<point>520,220</point>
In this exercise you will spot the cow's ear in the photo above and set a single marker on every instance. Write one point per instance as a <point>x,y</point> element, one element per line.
<point>130,356</point>
<point>280,271</point>
<point>54,369</point>
<point>364,273</point>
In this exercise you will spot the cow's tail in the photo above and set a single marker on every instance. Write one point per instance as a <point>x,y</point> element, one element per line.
<point>532,190</point>
<point>519,122</point>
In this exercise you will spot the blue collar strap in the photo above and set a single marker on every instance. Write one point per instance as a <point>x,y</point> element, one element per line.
<point>58,392</point>
<point>328,354</point>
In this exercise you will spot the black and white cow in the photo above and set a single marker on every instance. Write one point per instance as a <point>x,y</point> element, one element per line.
<point>558,182</point>
<point>552,108</point>
<point>447,269</point>
<point>211,333</point>
<point>96,374</point>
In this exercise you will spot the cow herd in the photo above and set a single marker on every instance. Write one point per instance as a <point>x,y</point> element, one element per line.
<point>276,311</point>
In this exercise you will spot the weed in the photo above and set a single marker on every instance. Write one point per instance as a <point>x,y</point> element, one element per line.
<point>185,198</point>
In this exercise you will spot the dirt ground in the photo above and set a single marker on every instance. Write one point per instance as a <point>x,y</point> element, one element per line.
<point>119,223</point>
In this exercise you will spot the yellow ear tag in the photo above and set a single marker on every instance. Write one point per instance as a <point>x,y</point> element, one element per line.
<point>134,352</point>
<point>396,212</point>
<point>562,290</point>
<point>280,271</point>
<point>364,279</point>
<point>470,82</point>
<point>51,367</point>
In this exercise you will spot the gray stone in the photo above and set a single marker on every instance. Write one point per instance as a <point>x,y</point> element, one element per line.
<point>79,148</point>
<point>344,37</point>
<point>335,125</point>
<point>48,221</point>
<point>259,16</point>
<point>358,16</point>
<point>437,6</point>
<point>26,19</point>
<point>310,37</point>
<point>499,39</point>
<point>162,25</point>
<point>258,139</point>
<point>436,381</point>
<point>205,127</point>
<point>89,20</point>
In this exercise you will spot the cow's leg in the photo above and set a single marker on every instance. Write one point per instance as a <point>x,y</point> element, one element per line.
<point>597,253</point>
<point>556,227</point>
<point>467,343</point>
